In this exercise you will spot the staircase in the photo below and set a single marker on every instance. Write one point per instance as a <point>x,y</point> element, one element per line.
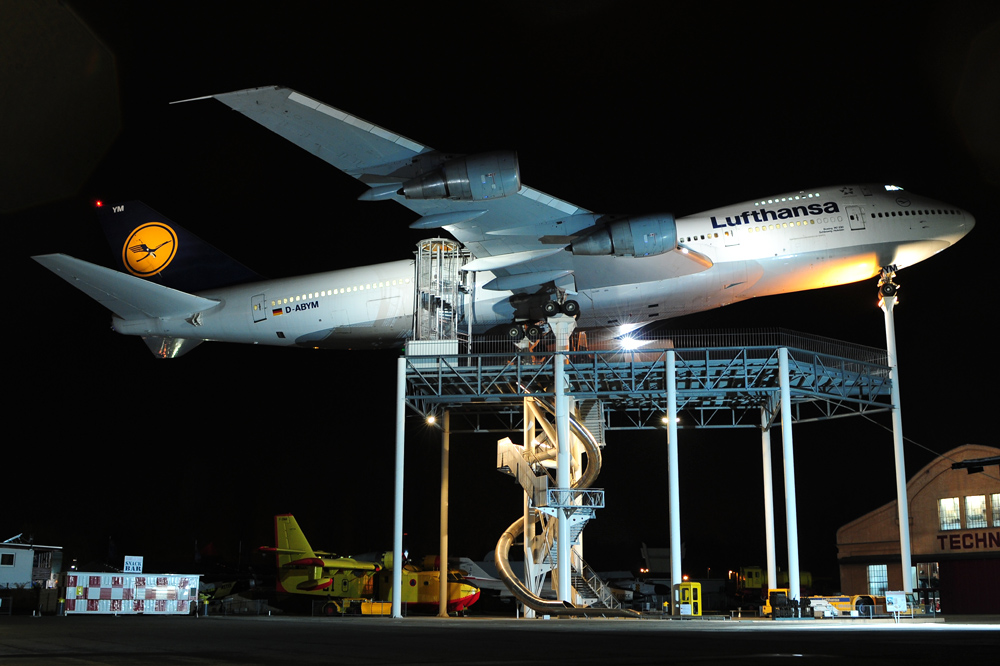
<point>576,505</point>
<point>591,589</point>
<point>592,418</point>
<point>515,460</point>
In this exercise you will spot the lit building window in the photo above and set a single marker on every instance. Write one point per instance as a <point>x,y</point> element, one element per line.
<point>878,579</point>
<point>948,513</point>
<point>975,511</point>
<point>995,503</point>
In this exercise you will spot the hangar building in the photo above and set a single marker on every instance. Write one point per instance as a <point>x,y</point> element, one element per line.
<point>954,538</point>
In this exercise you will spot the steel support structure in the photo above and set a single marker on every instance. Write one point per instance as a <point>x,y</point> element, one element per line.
<point>562,326</point>
<point>397,524</point>
<point>887,301</point>
<point>532,575</point>
<point>443,539</point>
<point>704,387</point>
<point>765,438</point>
<point>673,479</point>
<point>788,457</point>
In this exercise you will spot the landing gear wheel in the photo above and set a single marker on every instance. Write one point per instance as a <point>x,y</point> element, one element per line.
<point>550,308</point>
<point>534,333</point>
<point>571,308</point>
<point>515,332</point>
<point>888,289</point>
<point>330,609</point>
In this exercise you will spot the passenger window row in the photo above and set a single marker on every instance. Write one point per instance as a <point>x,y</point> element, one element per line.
<point>342,290</point>
<point>907,213</point>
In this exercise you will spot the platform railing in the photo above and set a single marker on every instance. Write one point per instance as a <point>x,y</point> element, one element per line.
<point>575,497</point>
<point>636,343</point>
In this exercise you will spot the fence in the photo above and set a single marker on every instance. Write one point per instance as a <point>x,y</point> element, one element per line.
<point>638,340</point>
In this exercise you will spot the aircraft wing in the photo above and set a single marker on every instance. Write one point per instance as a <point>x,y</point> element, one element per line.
<point>339,564</point>
<point>519,235</point>
<point>334,562</point>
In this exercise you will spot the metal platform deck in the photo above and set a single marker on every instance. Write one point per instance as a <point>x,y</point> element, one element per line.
<point>724,380</point>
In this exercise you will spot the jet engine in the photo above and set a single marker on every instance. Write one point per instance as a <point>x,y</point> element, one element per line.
<point>473,178</point>
<point>639,236</point>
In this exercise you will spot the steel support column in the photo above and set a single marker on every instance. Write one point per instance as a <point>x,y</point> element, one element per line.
<point>443,556</point>
<point>673,476</point>
<point>562,326</point>
<point>397,525</point>
<point>788,457</point>
<point>765,438</point>
<point>888,302</point>
<point>529,511</point>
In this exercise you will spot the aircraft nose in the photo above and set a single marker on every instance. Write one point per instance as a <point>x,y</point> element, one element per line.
<point>961,226</point>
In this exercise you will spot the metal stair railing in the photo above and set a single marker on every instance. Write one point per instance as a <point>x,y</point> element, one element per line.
<point>589,577</point>
<point>581,516</point>
<point>584,595</point>
<point>568,498</point>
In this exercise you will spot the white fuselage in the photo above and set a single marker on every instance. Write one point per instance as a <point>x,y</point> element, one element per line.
<point>781,244</point>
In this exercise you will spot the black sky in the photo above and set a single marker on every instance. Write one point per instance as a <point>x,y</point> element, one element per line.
<point>614,106</point>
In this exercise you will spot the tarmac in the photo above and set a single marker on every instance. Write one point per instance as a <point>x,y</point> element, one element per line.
<point>264,640</point>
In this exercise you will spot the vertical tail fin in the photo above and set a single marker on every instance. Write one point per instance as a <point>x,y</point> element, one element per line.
<point>289,540</point>
<point>290,546</point>
<point>151,246</point>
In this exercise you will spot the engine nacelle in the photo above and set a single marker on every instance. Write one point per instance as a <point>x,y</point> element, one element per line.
<point>473,178</point>
<point>640,236</point>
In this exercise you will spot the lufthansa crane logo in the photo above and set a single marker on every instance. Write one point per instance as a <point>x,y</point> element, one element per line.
<point>149,249</point>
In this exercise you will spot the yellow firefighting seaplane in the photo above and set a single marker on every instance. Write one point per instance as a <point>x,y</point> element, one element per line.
<point>358,586</point>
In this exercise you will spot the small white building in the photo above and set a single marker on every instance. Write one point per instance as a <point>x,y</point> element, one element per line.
<point>28,564</point>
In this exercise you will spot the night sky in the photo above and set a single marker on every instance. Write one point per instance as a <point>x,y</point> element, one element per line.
<point>618,109</point>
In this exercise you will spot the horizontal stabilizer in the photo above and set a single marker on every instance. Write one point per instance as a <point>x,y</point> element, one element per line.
<point>127,296</point>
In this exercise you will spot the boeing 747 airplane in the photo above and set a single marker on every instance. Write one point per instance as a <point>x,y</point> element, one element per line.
<point>527,255</point>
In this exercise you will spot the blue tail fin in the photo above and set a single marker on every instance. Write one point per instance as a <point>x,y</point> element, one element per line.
<point>151,246</point>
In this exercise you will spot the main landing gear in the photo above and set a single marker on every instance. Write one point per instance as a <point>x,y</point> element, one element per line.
<point>534,331</point>
<point>552,308</point>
